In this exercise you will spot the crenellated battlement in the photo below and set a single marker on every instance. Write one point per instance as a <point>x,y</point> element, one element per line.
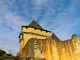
<point>35,30</point>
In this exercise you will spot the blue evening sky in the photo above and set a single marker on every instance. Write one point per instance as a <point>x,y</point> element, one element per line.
<point>59,16</point>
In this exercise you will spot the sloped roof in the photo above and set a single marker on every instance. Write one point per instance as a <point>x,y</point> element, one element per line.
<point>54,37</point>
<point>35,25</point>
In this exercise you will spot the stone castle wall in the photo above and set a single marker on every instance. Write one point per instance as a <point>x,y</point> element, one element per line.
<point>61,50</point>
<point>38,43</point>
<point>54,49</point>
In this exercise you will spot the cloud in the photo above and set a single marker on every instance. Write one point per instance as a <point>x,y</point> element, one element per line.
<point>40,2</point>
<point>59,16</point>
<point>10,24</point>
<point>61,21</point>
<point>68,22</point>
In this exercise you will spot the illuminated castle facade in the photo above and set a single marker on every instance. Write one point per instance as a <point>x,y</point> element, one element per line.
<point>40,44</point>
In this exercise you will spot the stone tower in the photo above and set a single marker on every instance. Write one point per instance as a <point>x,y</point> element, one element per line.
<point>33,30</point>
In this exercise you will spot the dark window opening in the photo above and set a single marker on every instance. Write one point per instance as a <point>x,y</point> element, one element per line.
<point>35,44</point>
<point>36,48</point>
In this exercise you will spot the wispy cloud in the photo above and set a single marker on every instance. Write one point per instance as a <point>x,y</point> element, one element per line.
<point>10,24</point>
<point>59,16</point>
<point>40,2</point>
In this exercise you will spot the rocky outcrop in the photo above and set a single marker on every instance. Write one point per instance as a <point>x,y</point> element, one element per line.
<point>4,55</point>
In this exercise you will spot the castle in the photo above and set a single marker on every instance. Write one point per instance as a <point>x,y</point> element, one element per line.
<point>40,44</point>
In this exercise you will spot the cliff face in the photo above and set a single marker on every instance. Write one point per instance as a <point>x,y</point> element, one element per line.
<point>52,49</point>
